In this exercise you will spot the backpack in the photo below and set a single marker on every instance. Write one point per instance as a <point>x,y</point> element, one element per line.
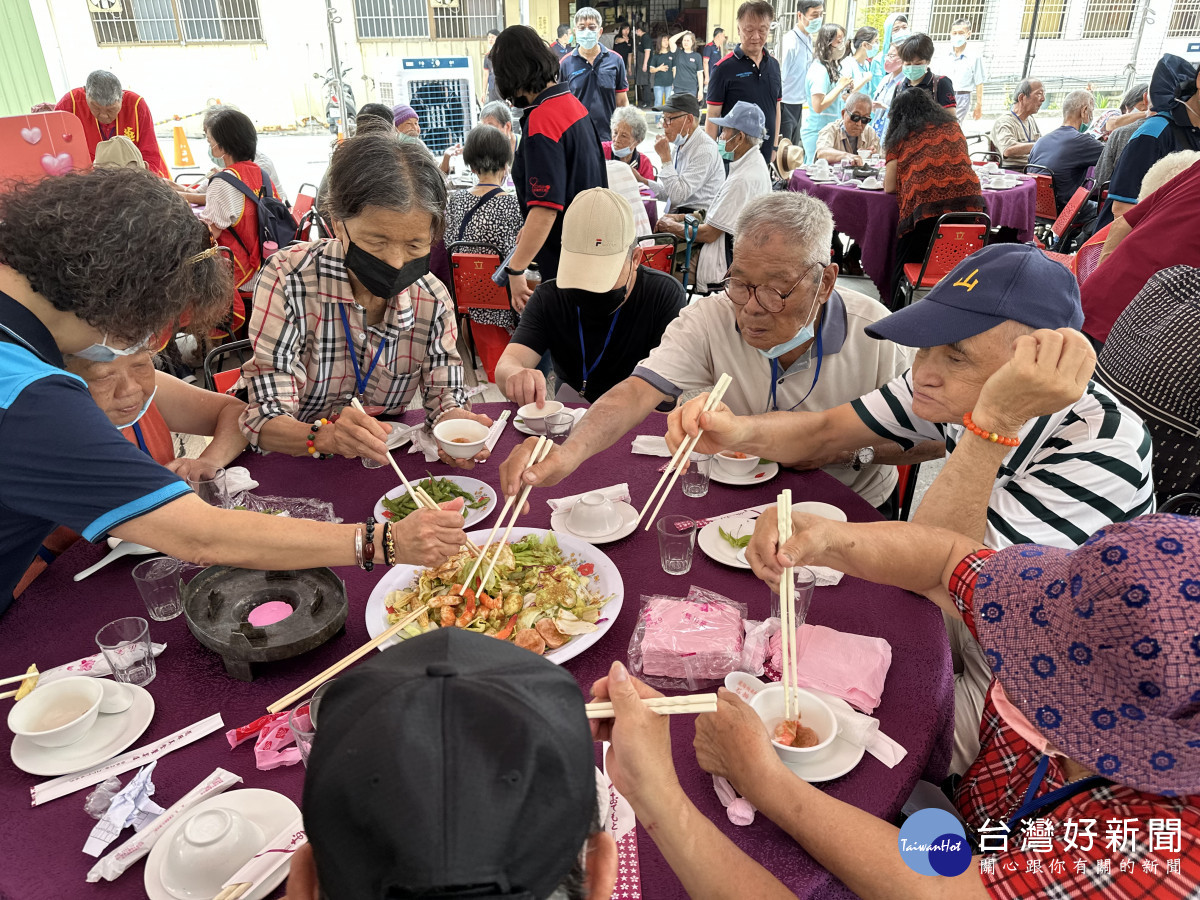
<point>276,226</point>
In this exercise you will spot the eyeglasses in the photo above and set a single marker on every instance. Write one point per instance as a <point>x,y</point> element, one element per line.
<point>855,117</point>
<point>667,120</point>
<point>739,292</point>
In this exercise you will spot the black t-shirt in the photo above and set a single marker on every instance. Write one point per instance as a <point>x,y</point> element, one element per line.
<point>940,87</point>
<point>551,322</point>
<point>686,67</point>
<point>736,77</point>
<point>663,79</point>
<point>624,49</point>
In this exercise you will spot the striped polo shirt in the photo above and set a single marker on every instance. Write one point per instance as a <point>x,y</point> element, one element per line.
<point>1074,471</point>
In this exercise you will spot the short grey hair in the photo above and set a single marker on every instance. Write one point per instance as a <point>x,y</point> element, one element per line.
<point>589,12</point>
<point>103,88</point>
<point>856,98</point>
<point>1077,102</point>
<point>1024,89</point>
<point>498,110</point>
<point>1165,169</point>
<point>803,221</point>
<point>634,118</point>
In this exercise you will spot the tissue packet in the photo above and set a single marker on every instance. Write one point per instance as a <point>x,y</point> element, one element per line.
<point>687,643</point>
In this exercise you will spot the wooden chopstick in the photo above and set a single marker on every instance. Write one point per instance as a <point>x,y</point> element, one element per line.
<point>21,677</point>
<point>684,452</point>
<point>665,706</point>
<point>234,891</point>
<point>540,452</point>
<point>315,682</point>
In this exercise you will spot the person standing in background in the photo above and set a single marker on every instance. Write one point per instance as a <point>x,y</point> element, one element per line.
<point>965,70</point>
<point>689,67</point>
<point>106,110</point>
<point>487,65</point>
<point>595,74</point>
<point>562,43</point>
<point>895,28</point>
<point>662,67</point>
<point>712,52</point>
<point>749,74</point>
<point>827,88</point>
<point>794,60</point>
<point>623,44</point>
<point>857,65</point>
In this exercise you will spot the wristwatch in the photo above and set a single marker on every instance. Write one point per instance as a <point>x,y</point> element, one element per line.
<point>863,456</point>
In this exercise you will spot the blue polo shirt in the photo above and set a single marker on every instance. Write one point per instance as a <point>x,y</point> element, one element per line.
<point>1159,135</point>
<point>738,77</point>
<point>596,84</point>
<point>63,461</point>
<point>713,54</point>
<point>1068,154</point>
<point>557,158</point>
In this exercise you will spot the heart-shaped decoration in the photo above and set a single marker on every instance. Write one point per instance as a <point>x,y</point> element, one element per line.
<point>57,165</point>
<point>68,137</point>
<point>31,135</point>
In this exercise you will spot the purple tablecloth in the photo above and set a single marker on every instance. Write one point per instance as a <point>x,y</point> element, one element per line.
<point>870,218</point>
<point>651,213</point>
<point>56,619</point>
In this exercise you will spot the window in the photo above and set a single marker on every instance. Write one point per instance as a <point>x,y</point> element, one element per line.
<point>945,12</point>
<point>1185,19</point>
<point>178,21</point>
<point>470,19</point>
<point>391,18</point>
<point>1052,15</point>
<point>1108,18</point>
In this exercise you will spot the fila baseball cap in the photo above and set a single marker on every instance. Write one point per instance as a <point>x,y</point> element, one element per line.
<point>597,233</point>
<point>991,286</point>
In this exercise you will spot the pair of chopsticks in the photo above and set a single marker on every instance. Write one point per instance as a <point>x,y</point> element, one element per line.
<point>787,612</point>
<point>540,451</point>
<point>664,706</point>
<point>31,675</point>
<point>315,682</point>
<point>682,453</point>
<point>419,497</point>
<point>234,891</point>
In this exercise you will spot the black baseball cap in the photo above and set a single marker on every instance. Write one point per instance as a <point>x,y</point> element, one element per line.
<point>682,103</point>
<point>454,764</point>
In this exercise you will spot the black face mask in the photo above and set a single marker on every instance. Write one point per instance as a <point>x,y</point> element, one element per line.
<point>380,278</point>
<point>598,303</point>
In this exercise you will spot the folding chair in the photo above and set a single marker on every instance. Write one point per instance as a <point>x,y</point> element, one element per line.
<point>304,202</point>
<point>221,381</point>
<point>471,283</point>
<point>1065,227</point>
<point>955,237</point>
<point>663,254</point>
<point>1046,211</point>
<point>1088,256</point>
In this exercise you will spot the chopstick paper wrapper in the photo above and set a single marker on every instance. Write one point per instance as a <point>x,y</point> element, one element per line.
<point>94,666</point>
<point>134,759</point>
<point>862,730</point>
<point>616,493</point>
<point>620,822</point>
<point>496,430</point>
<point>274,854</point>
<point>749,513</point>
<point>139,845</point>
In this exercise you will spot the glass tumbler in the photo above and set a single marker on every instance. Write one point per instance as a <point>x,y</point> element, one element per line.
<point>676,541</point>
<point>125,644</point>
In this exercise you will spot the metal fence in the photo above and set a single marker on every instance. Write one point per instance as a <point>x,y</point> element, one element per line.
<point>947,12</point>
<point>399,19</point>
<point>1052,17</point>
<point>1108,18</point>
<point>1185,19</point>
<point>177,21</point>
<point>470,19</point>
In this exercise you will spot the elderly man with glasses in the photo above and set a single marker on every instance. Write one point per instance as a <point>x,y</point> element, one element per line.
<point>692,173</point>
<point>849,139</point>
<point>790,338</point>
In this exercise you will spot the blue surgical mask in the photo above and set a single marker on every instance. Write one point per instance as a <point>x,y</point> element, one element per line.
<point>805,334</point>
<point>872,51</point>
<point>914,73</point>
<point>103,353</point>
<point>814,26</point>
<point>142,411</point>
<point>722,148</point>
<point>621,152</point>
<point>587,37</point>
<point>680,140</point>
<point>218,161</point>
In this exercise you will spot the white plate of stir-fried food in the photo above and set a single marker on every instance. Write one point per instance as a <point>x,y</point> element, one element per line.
<point>551,593</point>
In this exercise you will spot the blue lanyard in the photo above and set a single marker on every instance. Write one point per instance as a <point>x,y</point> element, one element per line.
<point>1024,127</point>
<point>360,380</point>
<point>588,370</point>
<point>141,441</point>
<point>772,399</point>
<point>1031,805</point>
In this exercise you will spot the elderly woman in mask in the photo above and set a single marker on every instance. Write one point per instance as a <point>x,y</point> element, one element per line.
<point>357,316</point>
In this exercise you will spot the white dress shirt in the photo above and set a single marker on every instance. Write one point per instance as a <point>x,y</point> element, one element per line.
<point>694,175</point>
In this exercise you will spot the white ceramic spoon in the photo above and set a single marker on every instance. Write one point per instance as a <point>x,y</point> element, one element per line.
<point>119,548</point>
<point>117,697</point>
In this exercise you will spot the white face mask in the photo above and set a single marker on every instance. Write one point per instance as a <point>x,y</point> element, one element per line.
<point>103,353</point>
<point>142,411</point>
<point>804,335</point>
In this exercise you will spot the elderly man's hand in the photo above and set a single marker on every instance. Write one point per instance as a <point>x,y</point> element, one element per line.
<point>1048,371</point>
<point>526,386</point>
<point>663,148</point>
<point>428,537</point>
<point>722,429</point>
<point>354,434</point>
<point>808,544</point>
<point>733,743</point>
<point>639,758</point>
<point>478,457</point>
<point>515,472</point>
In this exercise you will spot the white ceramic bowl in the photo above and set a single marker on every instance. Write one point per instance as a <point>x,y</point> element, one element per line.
<point>816,508</point>
<point>814,713</point>
<point>460,438</point>
<point>59,713</point>
<point>593,515</point>
<point>207,849</point>
<point>534,418</point>
<point>735,466</point>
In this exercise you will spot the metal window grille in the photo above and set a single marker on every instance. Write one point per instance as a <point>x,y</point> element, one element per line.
<point>1108,18</point>
<point>470,19</point>
<point>443,110</point>
<point>1052,16</point>
<point>385,19</point>
<point>177,21</point>
<point>1185,19</point>
<point>946,12</point>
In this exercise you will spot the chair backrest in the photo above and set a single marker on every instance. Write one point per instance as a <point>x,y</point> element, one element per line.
<point>471,277</point>
<point>1088,256</point>
<point>1067,216</point>
<point>953,241</point>
<point>304,202</point>
<point>1047,205</point>
<point>661,254</point>
<point>222,380</point>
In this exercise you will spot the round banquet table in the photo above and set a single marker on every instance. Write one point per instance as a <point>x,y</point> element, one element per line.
<point>56,620</point>
<point>871,218</point>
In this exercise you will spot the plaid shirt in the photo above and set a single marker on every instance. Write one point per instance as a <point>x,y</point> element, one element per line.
<point>302,367</point>
<point>1107,842</point>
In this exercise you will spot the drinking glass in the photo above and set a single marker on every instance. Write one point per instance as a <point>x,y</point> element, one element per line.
<point>695,479</point>
<point>676,541</point>
<point>159,581</point>
<point>559,425</point>
<point>210,486</point>
<point>125,644</point>
<point>805,581</point>
<point>302,721</point>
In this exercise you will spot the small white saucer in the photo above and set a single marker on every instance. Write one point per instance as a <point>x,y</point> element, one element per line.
<point>760,474</point>
<point>718,549</point>
<point>629,519</point>
<point>867,187</point>
<point>109,736</point>
<point>835,760</point>
<point>266,809</point>
<point>519,423</point>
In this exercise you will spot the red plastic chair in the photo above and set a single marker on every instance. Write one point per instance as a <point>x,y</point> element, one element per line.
<point>304,202</point>
<point>471,283</point>
<point>905,488</point>
<point>223,380</point>
<point>663,255</point>
<point>956,236</point>
<point>1064,226</point>
<point>1046,211</point>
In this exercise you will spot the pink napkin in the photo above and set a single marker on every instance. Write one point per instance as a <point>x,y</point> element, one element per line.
<point>272,739</point>
<point>851,666</point>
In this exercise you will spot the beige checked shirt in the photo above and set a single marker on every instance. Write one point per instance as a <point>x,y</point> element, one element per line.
<point>302,365</point>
